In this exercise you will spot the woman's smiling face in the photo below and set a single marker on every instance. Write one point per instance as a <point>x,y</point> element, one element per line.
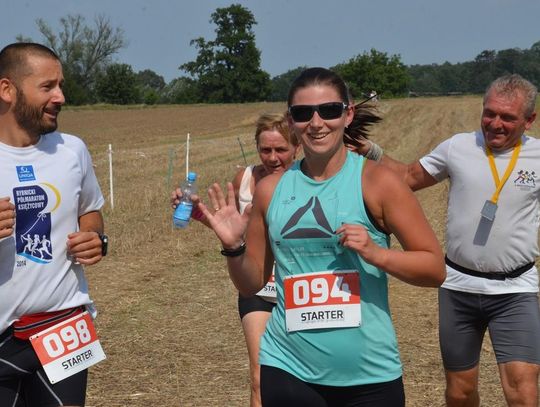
<point>318,135</point>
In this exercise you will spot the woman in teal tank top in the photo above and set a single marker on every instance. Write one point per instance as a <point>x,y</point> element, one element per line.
<point>326,223</point>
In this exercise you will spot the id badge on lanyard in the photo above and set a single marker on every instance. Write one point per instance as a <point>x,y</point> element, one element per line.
<point>327,299</point>
<point>490,206</point>
<point>68,348</point>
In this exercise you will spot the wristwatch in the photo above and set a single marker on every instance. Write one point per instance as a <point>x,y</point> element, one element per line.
<point>104,243</point>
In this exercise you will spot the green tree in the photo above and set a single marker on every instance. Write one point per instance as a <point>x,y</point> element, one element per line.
<point>375,70</point>
<point>150,84</point>
<point>454,78</point>
<point>424,79</point>
<point>509,60</point>
<point>484,70</point>
<point>150,79</point>
<point>118,85</point>
<point>181,90</point>
<point>280,84</point>
<point>227,69</point>
<point>84,51</point>
<point>530,64</point>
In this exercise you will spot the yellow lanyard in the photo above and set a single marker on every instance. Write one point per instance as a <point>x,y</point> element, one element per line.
<point>500,183</point>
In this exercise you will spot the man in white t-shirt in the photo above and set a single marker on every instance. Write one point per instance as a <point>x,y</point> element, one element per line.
<point>492,243</point>
<point>50,225</point>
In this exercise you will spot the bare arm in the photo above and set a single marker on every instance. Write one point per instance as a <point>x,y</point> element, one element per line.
<point>7,217</point>
<point>85,245</point>
<point>251,270</point>
<point>394,205</point>
<point>413,174</point>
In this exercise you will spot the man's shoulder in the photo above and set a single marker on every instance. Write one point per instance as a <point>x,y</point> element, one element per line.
<point>470,136</point>
<point>458,142</point>
<point>531,141</point>
<point>58,135</point>
<point>64,139</point>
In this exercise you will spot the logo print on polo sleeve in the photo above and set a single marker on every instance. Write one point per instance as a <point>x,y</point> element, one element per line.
<point>33,206</point>
<point>290,231</point>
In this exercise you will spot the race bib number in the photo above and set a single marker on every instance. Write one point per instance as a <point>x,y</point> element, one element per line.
<point>68,347</point>
<point>328,299</point>
<point>268,292</point>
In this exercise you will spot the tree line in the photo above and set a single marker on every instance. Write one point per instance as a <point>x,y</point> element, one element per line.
<point>227,68</point>
<point>474,76</point>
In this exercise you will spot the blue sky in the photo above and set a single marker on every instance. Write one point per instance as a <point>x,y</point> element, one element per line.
<point>292,33</point>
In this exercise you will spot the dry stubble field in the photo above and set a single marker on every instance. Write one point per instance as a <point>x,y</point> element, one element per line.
<point>167,310</point>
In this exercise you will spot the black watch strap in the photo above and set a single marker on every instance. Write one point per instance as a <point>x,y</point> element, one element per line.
<point>104,243</point>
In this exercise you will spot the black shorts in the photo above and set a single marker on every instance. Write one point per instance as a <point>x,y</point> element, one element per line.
<point>254,303</point>
<point>513,321</point>
<point>281,389</point>
<point>23,381</point>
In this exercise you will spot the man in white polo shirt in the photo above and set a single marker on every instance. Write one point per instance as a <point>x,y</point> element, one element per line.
<point>492,243</point>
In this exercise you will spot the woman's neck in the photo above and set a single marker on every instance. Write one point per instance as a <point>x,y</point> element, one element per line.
<point>321,168</point>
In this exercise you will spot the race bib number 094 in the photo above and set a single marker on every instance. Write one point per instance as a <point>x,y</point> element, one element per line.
<point>328,299</point>
<point>68,347</point>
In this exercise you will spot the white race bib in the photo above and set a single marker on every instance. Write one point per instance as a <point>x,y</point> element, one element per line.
<point>268,292</point>
<point>68,347</point>
<point>327,299</point>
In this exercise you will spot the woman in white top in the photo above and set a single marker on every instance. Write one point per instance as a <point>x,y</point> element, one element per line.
<point>277,150</point>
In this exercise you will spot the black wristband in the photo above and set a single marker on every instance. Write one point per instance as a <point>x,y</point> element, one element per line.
<point>234,252</point>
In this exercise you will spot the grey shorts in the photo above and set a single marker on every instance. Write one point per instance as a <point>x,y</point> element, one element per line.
<point>513,321</point>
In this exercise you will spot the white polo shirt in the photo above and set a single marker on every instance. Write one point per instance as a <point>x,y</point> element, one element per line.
<point>508,242</point>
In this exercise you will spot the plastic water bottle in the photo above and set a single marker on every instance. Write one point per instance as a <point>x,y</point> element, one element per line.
<point>182,212</point>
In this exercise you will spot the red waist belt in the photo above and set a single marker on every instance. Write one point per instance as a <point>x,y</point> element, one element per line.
<point>31,324</point>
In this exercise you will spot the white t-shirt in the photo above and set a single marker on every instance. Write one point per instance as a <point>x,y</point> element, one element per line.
<point>51,184</point>
<point>511,240</point>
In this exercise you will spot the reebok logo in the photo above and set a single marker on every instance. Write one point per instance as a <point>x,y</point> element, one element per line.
<point>311,208</point>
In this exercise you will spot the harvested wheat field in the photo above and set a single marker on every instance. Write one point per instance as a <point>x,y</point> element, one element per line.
<point>168,319</point>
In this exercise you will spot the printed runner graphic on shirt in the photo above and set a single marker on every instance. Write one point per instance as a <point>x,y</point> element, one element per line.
<point>525,179</point>
<point>34,205</point>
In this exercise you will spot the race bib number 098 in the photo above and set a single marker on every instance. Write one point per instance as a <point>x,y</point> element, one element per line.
<point>68,347</point>
<point>328,299</point>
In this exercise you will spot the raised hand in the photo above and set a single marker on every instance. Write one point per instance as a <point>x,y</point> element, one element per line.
<point>226,221</point>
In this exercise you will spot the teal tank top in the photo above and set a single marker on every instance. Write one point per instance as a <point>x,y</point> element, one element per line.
<point>302,217</point>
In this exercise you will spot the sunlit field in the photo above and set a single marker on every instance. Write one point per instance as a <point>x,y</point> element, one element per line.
<point>168,317</point>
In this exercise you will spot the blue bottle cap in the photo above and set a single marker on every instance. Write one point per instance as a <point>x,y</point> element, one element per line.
<point>192,176</point>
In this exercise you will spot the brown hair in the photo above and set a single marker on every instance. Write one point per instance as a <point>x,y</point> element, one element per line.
<point>365,114</point>
<point>14,59</point>
<point>274,121</point>
<point>318,76</point>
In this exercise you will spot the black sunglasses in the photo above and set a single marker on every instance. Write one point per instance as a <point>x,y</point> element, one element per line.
<point>327,111</point>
